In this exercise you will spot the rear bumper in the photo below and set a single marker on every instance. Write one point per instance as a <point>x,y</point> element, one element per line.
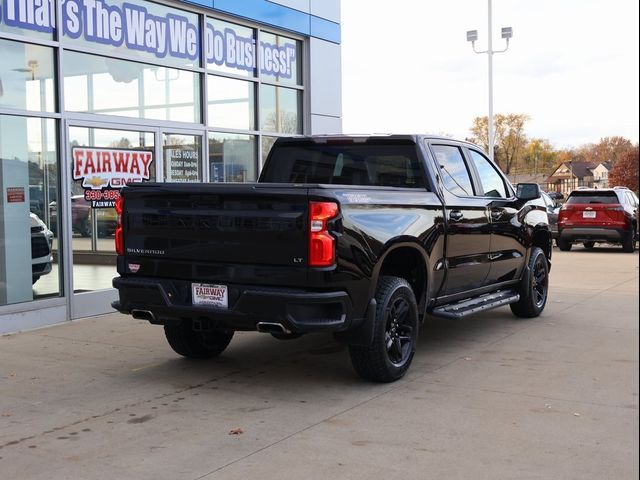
<point>602,234</point>
<point>298,311</point>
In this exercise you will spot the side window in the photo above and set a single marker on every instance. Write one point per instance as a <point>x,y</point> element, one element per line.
<point>491,180</point>
<point>631,200</point>
<point>453,170</point>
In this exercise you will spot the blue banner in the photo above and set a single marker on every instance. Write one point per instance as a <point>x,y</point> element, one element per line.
<point>131,25</point>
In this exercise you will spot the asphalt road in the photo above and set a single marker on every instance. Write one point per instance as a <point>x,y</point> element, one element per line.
<point>487,397</point>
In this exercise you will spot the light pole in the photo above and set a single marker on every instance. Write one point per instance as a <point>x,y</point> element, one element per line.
<point>472,36</point>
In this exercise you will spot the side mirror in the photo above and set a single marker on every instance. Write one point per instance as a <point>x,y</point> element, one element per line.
<point>527,191</point>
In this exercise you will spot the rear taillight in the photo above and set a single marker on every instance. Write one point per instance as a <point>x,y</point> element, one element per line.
<point>322,245</point>
<point>616,213</point>
<point>119,233</point>
<point>563,214</point>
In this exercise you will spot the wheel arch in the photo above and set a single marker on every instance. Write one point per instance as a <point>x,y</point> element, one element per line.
<point>542,239</point>
<point>407,260</point>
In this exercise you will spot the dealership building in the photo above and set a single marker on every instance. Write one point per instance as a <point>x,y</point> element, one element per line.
<point>98,93</point>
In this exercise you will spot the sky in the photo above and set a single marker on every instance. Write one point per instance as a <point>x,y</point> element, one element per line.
<point>572,66</point>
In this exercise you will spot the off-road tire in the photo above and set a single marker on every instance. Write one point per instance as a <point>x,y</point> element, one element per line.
<point>563,245</point>
<point>192,344</point>
<point>534,288</point>
<point>395,333</point>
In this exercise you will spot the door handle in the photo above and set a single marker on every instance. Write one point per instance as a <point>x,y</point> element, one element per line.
<point>456,215</point>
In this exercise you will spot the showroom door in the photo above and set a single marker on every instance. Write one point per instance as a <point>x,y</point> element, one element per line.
<point>100,160</point>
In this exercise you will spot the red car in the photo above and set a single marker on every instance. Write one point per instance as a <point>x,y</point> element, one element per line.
<point>599,215</point>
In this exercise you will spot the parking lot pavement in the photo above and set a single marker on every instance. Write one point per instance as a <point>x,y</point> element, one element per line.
<point>489,396</point>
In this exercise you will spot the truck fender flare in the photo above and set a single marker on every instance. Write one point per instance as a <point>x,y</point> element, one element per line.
<point>392,246</point>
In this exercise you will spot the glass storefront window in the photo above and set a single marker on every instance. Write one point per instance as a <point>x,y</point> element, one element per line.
<point>231,103</point>
<point>26,77</point>
<point>280,59</point>
<point>101,162</point>
<point>280,109</point>
<point>230,48</point>
<point>232,158</point>
<point>28,182</point>
<point>33,19</point>
<point>181,155</point>
<point>103,85</point>
<point>267,144</point>
<point>155,33</point>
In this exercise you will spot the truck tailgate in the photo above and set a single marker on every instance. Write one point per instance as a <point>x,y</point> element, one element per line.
<point>217,223</point>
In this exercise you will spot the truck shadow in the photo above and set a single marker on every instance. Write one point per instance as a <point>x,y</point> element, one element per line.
<point>317,362</point>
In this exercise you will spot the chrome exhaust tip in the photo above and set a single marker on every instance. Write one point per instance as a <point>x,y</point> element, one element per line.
<point>143,315</point>
<point>271,327</point>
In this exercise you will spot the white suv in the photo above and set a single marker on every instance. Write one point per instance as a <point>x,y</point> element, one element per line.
<point>41,241</point>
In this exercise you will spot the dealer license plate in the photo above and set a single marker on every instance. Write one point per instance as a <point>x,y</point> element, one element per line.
<point>206,294</point>
<point>588,214</point>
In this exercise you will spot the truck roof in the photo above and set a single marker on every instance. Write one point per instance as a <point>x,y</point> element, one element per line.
<point>365,138</point>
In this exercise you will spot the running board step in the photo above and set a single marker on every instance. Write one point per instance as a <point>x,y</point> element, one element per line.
<point>476,304</point>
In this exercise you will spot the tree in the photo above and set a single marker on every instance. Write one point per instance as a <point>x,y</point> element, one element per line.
<point>539,155</point>
<point>509,137</point>
<point>564,156</point>
<point>625,172</point>
<point>611,149</point>
<point>480,133</point>
<point>513,139</point>
<point>608,149</point>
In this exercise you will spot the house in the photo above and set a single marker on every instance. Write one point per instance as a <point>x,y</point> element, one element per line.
<point>570,175</point>
<point>601,174</point>
<point>539,178</point>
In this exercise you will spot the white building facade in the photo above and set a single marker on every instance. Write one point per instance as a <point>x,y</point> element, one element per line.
<point>97,93</point>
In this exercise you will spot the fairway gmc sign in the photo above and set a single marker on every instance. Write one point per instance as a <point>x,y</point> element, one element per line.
<point>103,171</point>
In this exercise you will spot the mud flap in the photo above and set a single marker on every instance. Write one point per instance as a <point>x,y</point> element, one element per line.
<point>362,335</point>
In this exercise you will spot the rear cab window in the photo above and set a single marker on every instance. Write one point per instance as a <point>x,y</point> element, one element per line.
<point>346,163</point>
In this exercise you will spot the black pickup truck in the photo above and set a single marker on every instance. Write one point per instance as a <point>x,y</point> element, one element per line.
<point>362,236</point>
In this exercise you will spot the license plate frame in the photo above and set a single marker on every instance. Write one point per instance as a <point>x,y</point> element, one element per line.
<point>589,214</point>
<point>211,295</point>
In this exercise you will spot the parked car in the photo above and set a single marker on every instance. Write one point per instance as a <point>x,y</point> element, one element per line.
<point>41,242</point>
<point>553,210</point>
<point>81,214</point>
<point>599,215</point>
<point>555,195</point>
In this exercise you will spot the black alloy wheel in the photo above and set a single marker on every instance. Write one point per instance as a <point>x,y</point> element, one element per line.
<point>534,288</point>
<point>395,333</point>
<point>398,333</point>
